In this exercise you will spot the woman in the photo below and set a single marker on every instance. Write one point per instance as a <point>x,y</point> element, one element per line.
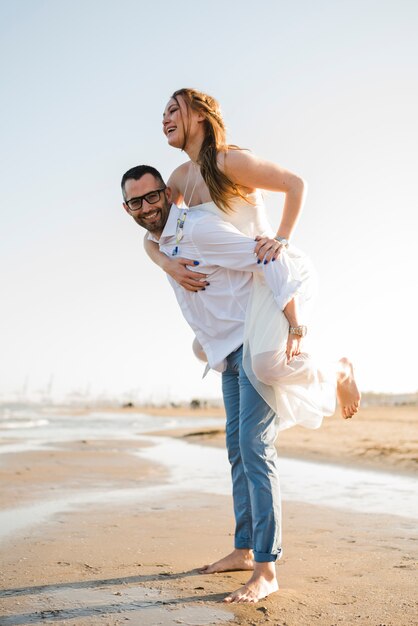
<point>225,179</point>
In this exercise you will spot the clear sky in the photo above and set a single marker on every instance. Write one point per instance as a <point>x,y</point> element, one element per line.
<point>327,89</point>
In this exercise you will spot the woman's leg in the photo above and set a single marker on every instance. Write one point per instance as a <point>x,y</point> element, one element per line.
<point>272,368</point>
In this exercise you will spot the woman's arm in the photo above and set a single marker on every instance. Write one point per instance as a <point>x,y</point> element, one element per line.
<point>252,172</point>
<point>176,267</point>
<point>293,341</point>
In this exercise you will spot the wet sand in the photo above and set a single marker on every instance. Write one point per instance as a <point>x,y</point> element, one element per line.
<point>132,561</point>
<point>382,438</point>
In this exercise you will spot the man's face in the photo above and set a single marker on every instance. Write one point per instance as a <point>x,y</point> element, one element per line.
<point>153,216</point>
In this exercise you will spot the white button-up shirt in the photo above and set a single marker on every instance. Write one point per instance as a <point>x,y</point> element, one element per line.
<point>226,256</point>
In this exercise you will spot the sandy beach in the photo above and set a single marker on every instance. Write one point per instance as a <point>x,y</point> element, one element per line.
<point>96,528</point>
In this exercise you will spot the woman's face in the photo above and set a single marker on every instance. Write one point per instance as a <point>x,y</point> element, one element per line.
<point>176,118</point>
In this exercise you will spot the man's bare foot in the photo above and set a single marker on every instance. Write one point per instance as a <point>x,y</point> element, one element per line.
<point>347,391</point>
<point>261,584</point>
<point>237,560</point>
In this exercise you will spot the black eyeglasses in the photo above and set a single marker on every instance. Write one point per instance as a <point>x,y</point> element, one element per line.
<point>135,204</point>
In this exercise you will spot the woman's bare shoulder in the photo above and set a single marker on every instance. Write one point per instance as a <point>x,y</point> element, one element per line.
<point>235,163</point>
<point>176,181</point>
<point>234,156</point>
<point>180,171</point>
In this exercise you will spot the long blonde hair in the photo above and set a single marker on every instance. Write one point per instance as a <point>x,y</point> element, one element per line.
<point>221,188</point>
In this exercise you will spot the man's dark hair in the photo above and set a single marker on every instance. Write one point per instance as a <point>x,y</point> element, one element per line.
<point>138,172</point>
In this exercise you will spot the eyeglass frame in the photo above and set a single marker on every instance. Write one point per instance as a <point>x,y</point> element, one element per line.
<point>144,197</point>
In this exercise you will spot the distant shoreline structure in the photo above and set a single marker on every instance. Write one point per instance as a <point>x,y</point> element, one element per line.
<point>372,398</point>
<point>369,399</point>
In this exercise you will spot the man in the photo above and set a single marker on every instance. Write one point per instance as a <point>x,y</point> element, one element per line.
<point>250,431</point>
<point>217,316</point>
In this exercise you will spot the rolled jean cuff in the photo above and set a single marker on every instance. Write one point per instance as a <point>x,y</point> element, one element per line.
<point>264,557</point>
<point>240,544</point>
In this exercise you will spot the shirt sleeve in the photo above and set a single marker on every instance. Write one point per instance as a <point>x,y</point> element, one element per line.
<point>220,243</point>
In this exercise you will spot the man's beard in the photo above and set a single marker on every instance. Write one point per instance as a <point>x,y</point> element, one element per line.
<point>156,226</point>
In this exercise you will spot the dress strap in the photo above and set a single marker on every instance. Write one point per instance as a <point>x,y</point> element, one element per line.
<point>187,202</point>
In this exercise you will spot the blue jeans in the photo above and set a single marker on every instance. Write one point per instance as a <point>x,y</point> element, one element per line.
<point>250,436</point>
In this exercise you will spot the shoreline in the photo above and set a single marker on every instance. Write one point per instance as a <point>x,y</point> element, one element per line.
<point>381,438</point>
<point>377,438</point>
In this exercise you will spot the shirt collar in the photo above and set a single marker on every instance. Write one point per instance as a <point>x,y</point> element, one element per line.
<point>170,226</point>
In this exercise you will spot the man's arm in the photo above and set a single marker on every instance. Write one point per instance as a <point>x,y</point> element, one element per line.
<point>176,267</point>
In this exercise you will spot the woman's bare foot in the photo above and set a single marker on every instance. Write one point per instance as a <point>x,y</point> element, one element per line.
<point>347,391</point>
<point>237,560</point>
<point>261,584</point>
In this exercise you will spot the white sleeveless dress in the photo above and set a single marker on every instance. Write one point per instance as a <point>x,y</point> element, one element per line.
<point>301,391</point>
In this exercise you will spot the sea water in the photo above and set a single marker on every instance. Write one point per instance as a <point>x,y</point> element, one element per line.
<point>192,467</point>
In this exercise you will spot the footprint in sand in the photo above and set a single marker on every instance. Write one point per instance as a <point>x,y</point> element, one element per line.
<point>319,579</point>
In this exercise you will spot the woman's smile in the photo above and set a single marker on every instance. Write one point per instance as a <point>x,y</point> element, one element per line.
<point>171,120</point>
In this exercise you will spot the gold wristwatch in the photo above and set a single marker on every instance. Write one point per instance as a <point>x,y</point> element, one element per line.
<point>298,330</point>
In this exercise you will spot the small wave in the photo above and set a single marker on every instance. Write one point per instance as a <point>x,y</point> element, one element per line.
<point>9,425</point>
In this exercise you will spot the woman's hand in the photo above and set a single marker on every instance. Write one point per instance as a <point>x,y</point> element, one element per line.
<point>293,346</point>
<point>177,268</point>
<point>267,249</point>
